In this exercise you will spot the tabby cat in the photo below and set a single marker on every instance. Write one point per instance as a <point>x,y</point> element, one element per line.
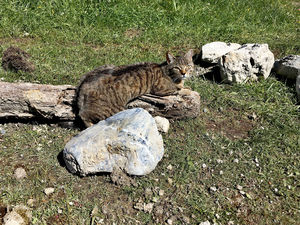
<point>106,90</point>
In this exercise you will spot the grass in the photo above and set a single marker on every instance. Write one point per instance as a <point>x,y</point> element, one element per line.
<point>223,148</point>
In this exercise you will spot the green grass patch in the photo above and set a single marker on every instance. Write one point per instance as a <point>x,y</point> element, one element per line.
<point>211,156</point>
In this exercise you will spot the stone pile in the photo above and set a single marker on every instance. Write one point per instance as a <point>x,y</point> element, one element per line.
<point>237,63</point>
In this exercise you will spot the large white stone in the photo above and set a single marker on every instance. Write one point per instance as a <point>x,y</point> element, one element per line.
<point>212,52</point>
<point>246,63</point>
<point>288,66</point>
<point>128,140</point>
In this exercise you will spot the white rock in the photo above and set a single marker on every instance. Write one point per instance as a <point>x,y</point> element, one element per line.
<point>170,167</point>
<point>288,66</point>
<point>148,207</point>
<point>49,191</point>
<point>170,221</point>
<point>162,124</point>
<point>239,187</point>
<point>128,140</point>
<point>212,52</point>
<point>31,202</point>
<point>161,192</point>
<point>246,63</point>
<point>20,173</point>
<point>213,189</point>
<point>20,215</point>
<point>298,87</point>
<point>205,223</point>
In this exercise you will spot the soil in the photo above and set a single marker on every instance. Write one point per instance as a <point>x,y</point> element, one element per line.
<point>15,59</point>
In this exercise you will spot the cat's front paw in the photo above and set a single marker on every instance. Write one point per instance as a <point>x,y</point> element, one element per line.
<point>185,92</point>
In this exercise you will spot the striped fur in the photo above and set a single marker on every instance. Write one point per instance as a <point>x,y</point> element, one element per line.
<point>107,89</point>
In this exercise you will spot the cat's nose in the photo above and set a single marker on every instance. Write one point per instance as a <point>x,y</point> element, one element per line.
<point>183,72</point>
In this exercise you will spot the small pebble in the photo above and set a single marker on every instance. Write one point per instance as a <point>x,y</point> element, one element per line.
<point>239,187</point>
<point>221,172</point>
<point>170,221</point>
<point>59,211</point>
<point>219,161</point>
<point>236,161</point>
<point>20,173</point>
<point>49,191</point>
<point>204,165</point>
<point>170,167</point>
<point>30,202</point>
<point>161,192</point>
<point>186,219</point>
<point>205,110</point>
<point>148,207</point>
<point>213,188</point>
<point>170,181</point>
<point>2,131</point>
<point>205,223</point>
<point>138,205</point>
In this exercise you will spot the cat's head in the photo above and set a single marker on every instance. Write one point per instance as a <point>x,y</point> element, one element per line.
<point>180,67</point>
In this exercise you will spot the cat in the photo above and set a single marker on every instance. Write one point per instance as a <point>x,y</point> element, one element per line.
<point>107,89</point>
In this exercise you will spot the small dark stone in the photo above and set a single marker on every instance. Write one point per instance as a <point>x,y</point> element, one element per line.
<point>15,59</point>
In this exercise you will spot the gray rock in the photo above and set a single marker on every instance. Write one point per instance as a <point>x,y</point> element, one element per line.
<point>246,63</point>
<point>212,52</point>
<point>128,140</point>
<point>298,87</point>
<point>288,66</point>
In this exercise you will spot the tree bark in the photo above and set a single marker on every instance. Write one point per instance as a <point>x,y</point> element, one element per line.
<point>57,103</point>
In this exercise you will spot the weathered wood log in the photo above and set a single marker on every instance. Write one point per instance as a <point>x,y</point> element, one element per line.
<point>57,103</point>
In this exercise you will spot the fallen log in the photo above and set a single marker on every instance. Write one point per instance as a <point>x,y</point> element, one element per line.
<point>57,103</point>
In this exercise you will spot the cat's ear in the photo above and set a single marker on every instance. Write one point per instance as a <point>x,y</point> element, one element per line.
<point>189,55</point>
<point>170,57</point>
